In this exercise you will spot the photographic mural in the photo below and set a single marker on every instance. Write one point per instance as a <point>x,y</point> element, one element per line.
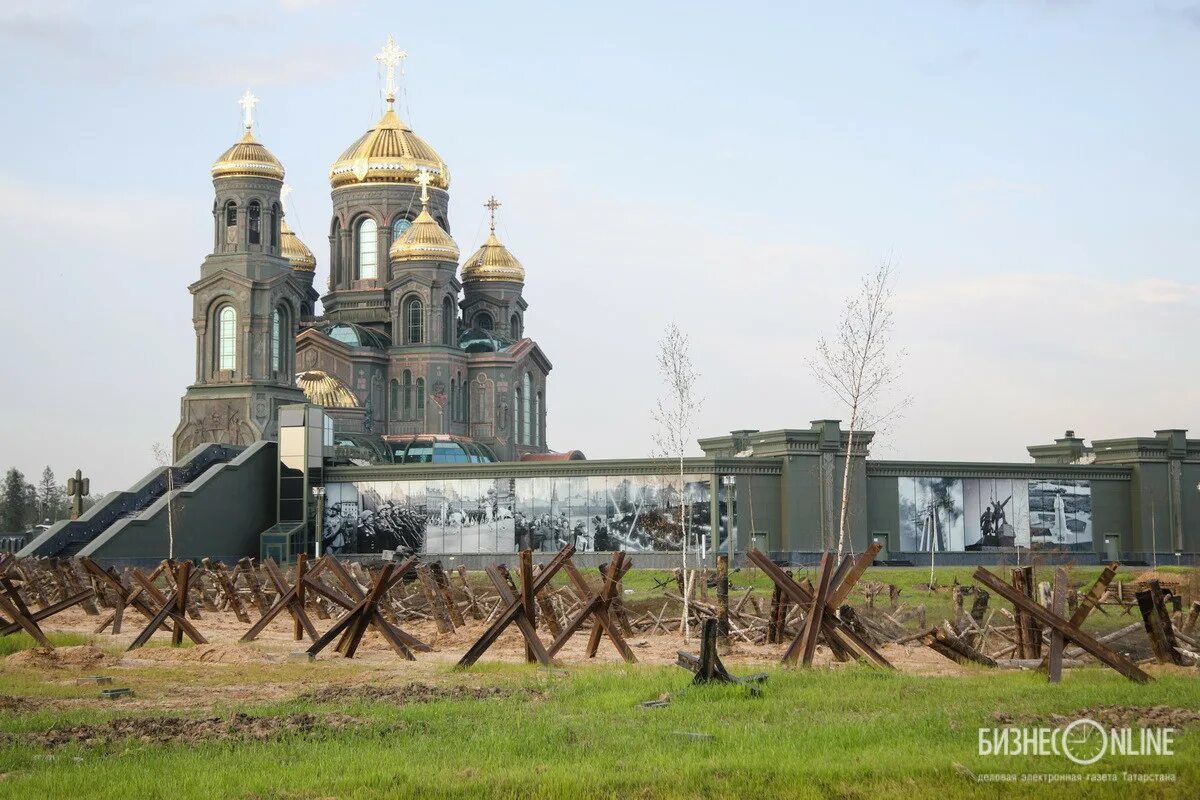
<point>503,515</point>
<point>983,514</point>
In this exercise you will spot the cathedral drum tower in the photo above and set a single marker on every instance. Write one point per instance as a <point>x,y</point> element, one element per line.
<point>247,304</point>
<point>434,375</point>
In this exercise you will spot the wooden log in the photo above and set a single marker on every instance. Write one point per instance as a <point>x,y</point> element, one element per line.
<point>432,595</point>
<point>1100,651</point>
<point>443,586</point>
<point>1158,625</point>
<point>723,600</point>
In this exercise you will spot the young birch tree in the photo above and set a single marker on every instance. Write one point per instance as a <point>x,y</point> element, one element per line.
<point>675,414</point>
<point>162,458</point>
<point>859,366</point>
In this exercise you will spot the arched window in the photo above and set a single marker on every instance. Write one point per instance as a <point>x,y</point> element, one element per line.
<point>527,394</point>
<point>394,406</point>
<point>462,399</point>
<point>231,222</point>
<point>448,320</point>
<point>336,268</point>
<point>227,338</point>
<point>420,388</point>
<point>407,394</point>
<point>453,399</point>
<point>538,438</point>
<point>414,320</point>
<point>399,226</point>
<point>514,327</point>
<point>254,223</point>
<point>484,321</point>
<point>276,341</point>
<point>519,417</point>
<point>368,250</point>
<point>275,226</point>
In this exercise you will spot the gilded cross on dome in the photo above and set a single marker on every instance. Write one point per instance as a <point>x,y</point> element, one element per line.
<point>491,205</point>
<point>390,57</point>
<point>248,102</point>
<point>423,178</point>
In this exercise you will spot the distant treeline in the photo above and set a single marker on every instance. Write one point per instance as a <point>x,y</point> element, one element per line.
<point>23,505</point>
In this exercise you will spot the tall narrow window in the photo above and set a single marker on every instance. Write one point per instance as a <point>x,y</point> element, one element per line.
<point>368,250</point>
<point>414,320</point>
<point>462,399</point>
<point>336,268</point>
<point>519,417</point>
<point>538,437</point>
<point>407,394</point>
<point>227,338</point>
<point>453,399</point>
<point>276,341</point>
<point>231,222</point>
<point>514,327</point>
<point>394,406</point>
<point>420,389</point>
<point>254,223</point>
<point>448,320</point>
<point>275,226</point>
<point>527,394</point>
<point>483,320</point>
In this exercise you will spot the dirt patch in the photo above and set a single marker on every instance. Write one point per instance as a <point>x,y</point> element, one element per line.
<point>20,705</point>
<point>76,657</point>
<point>1116,717</point>
<point>182,729</point>
<point>403,695</point>
<point>206,653</point>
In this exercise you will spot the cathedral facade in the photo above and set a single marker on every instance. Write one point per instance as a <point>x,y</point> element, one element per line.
<point>414,351</point>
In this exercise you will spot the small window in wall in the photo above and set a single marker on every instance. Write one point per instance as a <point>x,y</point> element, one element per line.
<point>231,222</point>
<point>275,226</point>
<point>414,316</point>
<point>484,321</point>
<point>527,401</point>
<point>407,394</point>
<point>420,398</point>
<point>514,327</point>
<point>368,250</point>
<point>254,223</point>
<point>227,338</point>
<point>448,320</point>
<point>394,406</point>
<point>399,226</point>
<point>276,341</point>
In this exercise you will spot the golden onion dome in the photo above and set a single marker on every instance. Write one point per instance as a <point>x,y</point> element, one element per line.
<point>294,250</point>
<point>248,157</point>
<point>493,262</point>
<point>322,389</point>
<point>424,240</point>
<point>388,153</point>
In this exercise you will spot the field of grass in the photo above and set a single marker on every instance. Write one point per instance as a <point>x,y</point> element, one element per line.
<point>384,729</point>
<point>580,733</point>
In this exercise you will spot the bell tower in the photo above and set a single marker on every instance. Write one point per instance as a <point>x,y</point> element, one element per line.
<point>246,305</point>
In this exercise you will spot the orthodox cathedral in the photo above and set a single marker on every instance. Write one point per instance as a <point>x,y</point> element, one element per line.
<point>415,357</point>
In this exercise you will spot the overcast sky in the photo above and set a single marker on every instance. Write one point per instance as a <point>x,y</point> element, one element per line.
<point>1031,169</point>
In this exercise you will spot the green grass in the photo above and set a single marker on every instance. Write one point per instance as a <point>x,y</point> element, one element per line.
<point>23,641</point>
<point>844,733</point>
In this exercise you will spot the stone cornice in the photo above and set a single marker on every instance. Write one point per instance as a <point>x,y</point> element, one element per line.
<point>558,469</point>
<point>962,469</point>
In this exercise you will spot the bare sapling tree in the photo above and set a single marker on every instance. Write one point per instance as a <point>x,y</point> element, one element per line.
<point>860,366</point>
<point>162,458</point>
<point>675,415</point>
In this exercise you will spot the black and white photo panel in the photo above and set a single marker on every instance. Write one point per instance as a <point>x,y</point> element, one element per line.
<point>931,514</point>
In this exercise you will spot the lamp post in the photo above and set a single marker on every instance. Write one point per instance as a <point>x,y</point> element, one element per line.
<point>319,493</point>
<point>1178,557</point>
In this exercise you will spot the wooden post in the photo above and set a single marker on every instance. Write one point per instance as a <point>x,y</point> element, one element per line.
<point>1158,625</point>
<point>723,600</point>
<point>443,584</point>
<point>1058,605</point>
<point>297,628</point>
<point>527,599</point>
